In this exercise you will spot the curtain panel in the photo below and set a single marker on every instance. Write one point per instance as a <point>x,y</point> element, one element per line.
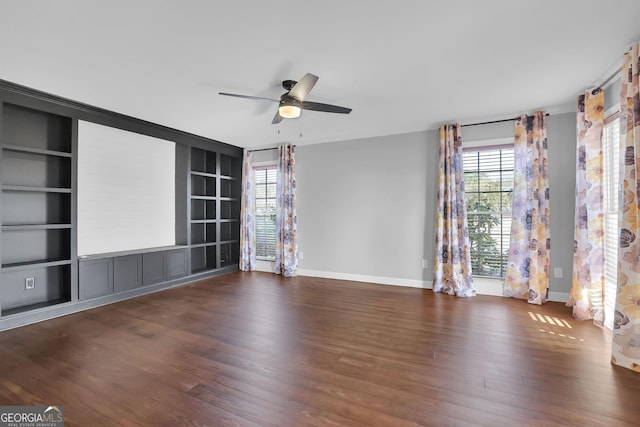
<point>626,333</point>
<point>587,290</point>
<point>528,261</point>
<point>452,258</point>
<point>247,213</point>
<point>286,219</point>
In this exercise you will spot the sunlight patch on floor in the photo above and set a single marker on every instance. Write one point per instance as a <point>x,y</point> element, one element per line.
<point>553,321</point>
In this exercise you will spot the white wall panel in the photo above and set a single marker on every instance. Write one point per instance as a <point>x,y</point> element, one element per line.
<point>126,190</point>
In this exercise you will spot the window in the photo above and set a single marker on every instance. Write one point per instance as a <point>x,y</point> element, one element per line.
<point>488,180</point>
<point>611,170</point>
<point>265,218</point>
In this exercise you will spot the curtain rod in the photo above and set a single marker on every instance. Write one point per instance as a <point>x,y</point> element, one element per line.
<point>495,121</point>
<point>263,149</point>
<point>613,75</point>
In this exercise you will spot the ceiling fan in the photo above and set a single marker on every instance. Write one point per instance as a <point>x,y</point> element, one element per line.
<point>293,101</point>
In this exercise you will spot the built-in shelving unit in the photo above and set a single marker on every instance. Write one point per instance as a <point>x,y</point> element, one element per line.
<point>37,218</point>
<point>41,274</point>
<point>215,210</point>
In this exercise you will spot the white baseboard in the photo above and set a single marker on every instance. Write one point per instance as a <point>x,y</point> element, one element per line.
<point>483,285</point>
<point>393,281</point>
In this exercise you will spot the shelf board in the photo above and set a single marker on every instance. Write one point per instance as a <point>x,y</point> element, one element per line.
<point>35,227</point>
<point>204,174</point>
<point>202,270</point>
<point>230,178</point>
<point>203,197</point>
<point>31,307</point>
<point>34,264</point>
<point>130,252</point>
<point>24,149</point>
<point>229,199</point>
<point>222,242</point>
<point>36,189</point>
<point>203,221</point>
<point>229,220</point>
<point>203,245</point>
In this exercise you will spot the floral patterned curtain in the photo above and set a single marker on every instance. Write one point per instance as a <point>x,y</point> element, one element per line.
<point>286,220</point>
<point>626,332</point>
<point>247,212</point>
<point>587,291</point>
<point>452,264</point>
<point>528,262</point>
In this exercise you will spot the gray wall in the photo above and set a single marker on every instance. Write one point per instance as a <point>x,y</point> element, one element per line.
<point>561,136</point>
<point>266,155</point>
<point>367,207</point>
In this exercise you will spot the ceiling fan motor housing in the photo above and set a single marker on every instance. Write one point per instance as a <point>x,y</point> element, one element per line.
<point>286,100</point>
<point>288,84</point>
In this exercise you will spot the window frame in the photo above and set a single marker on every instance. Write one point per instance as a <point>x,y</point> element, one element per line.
<point>256,167</point>
<point>611,207</point>
<point>490,145</point>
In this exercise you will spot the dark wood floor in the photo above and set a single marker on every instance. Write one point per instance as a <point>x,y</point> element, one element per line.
<point>253,349</point>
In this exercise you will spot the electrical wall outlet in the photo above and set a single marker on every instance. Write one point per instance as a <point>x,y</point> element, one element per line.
<point>300,255</point>
<point>557,272</point>
<point>30,283</point>
<point>425,264</point>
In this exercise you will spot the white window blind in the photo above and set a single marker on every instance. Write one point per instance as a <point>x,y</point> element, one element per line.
<point>265,217</point>
<point>488,178</point>
<point>611,171</point>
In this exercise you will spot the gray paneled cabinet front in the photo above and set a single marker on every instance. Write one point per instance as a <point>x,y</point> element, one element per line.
<point>104,276</point>
<point>163,266</point>
<point>152,268</point>
<point>127,272</point>
<point>95,278</point>
<point>175,264</point>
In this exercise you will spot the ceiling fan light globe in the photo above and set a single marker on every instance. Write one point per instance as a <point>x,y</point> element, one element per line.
<point>289,111</point>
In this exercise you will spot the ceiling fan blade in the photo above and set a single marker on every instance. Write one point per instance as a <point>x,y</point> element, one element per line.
<point>277,118</point>
<point>301,89</point>
<point>327,108</point>
<point>258,98</point>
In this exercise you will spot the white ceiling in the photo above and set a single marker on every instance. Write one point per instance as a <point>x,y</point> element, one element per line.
<point>402,66</point>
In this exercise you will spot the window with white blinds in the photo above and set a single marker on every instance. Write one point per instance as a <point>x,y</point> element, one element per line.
<point>611,170</point>
<point>488,179</point>
<point>265,217</point>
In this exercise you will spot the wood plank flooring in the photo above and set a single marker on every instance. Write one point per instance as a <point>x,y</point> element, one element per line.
<point>254,349</point>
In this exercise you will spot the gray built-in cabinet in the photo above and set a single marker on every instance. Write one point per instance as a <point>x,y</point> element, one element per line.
<point>37,208</point>
<point>215,210</point>
<point>106,274</point>
<point>41,275</point>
